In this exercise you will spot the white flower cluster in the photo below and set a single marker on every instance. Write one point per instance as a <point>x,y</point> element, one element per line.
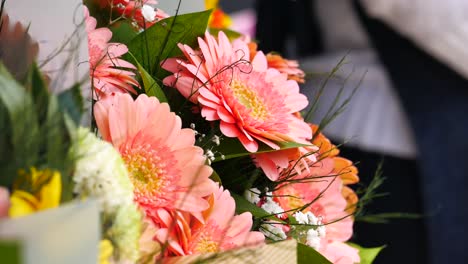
<point>271,206</point>
<point>100,172</point>
<point>317,230</point>
<point>271,229</point>
<point>252,195</point>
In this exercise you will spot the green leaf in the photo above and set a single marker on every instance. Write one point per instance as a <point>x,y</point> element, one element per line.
<point>71,101</point>
<point>11,252</point>
<point>159,41</point>
<point>231,34</point>
<point>39,92</point>
<point>367,255</point>
<point>215,177</point>
<point>231,148</point>
<point>150,85</point>
<point>123,32</point>
<point>242,205</point>
<point>306,255</point>
<point>21,127</point>
<point>57,140</point>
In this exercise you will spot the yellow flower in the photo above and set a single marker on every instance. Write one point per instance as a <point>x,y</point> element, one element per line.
<point>35,191</point>
<point>105,251</point>
<point>209,4</point>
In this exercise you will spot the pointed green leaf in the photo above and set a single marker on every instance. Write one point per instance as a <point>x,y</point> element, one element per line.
<point>242,205</point>
<point>215,177</point>
<point>367,255</point>
<point>150,85</point>
<point>71,102</point>
<point>39,92</point>
<point>123,32</point>
<point>159,42</point>
<point>21,127</point>
<point>231,34</point>
<point>231,148</point>
<point>306,255</point>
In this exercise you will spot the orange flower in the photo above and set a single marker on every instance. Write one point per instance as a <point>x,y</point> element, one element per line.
<point>289,67</point>
<point>343,167</point>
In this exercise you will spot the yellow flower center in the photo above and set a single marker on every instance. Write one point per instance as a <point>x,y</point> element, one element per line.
<point>294,201</point>
<point>206,245</point>
<point>249,98</point>
<point>151,172</point>
<point>144,171</point>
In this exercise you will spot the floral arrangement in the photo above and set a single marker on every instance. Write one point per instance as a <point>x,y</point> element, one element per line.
<point>197,143</point>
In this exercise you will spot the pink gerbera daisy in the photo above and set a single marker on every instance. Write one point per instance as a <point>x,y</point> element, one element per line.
<point>105,65</point>
<point>330,206</point>
<point>165,167</point>
<point>220,229</point>
<point>252,102</point>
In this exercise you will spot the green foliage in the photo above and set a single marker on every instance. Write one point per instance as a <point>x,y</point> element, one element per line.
<point>71,101</point>
<point>159,42</point>
<point>34,133</point>
<point>367,255</point>
<point>11,252</point>
<point>231,148</point>
<point>122,32</point>
<point>20,128</point>
<point>215,177</point>
<point>151,87</point>
<point>231,34</point>
<point>306,255</point>
<point>242,205</point>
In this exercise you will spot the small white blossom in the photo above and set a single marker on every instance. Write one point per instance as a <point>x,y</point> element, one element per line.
<point>209,154</point>
<point>274,232</point>
<point>252,195</point>
<point>317,230</point>
<point>313,239</point>
<point>272,207</point>
<point>216,140</point>
<point>101,173</point>
<point>301,218</point>
<point>148,13</point>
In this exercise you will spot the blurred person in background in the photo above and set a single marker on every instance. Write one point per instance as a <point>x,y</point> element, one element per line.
<point>410,108</point>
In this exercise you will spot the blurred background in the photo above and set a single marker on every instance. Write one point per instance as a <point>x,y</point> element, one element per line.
<point>408,112</point>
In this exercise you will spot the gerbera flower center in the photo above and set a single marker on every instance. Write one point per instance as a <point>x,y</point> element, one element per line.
<point>205,245</point>
<point>210,238</point>
<point>295,202</point>
<point>152,173</point>
<point>249,98</point>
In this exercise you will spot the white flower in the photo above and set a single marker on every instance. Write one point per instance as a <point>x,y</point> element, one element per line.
<point>148,13</point>
<point>313,239</point>
<point>273,231</point>
<point>317,230</point>
<point>301,218</point>
<point>272,207</point>
<point>100,172</point>
<point>216,140</point>
<point>252,195</point>
<point>126,231</point>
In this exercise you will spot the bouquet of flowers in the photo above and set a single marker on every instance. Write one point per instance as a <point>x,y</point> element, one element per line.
<point>197,143</point>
